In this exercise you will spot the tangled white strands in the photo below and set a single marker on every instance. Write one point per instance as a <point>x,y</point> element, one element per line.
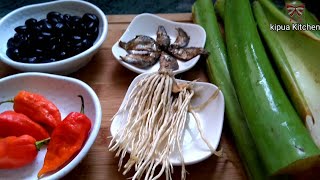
<point>154,126</point>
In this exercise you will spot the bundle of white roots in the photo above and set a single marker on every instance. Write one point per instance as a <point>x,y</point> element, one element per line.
<point>158,112</point>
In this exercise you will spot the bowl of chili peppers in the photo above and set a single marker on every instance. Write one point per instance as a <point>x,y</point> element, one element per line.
<point>56,37</point>
<point>48,123</point>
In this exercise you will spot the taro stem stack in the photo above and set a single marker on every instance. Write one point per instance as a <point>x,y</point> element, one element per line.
<point>218,73</point>
<point>284,144</point>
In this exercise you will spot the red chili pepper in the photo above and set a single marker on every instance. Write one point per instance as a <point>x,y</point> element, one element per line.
<point>17,124</point>
<point>66,141</point>
<point>37,108</point>
<point>19,151</point>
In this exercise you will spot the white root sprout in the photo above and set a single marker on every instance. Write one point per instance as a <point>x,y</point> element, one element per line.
<point>154,127</point>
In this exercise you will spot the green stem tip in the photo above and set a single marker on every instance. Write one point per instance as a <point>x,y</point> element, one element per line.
<point>39,144</point>
<point>7,101</point>
<point>82,104</point>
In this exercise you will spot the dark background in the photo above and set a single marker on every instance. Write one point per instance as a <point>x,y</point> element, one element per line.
<point>115,6</point>
<point>139,6</point>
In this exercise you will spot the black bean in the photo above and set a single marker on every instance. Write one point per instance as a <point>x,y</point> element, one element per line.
<point>66,17</point>
<point>54,17</point>
<point>20,39</point>
<point>53,47</point>
<point>38,52</point>
<point>62,55</point>
<point>78,45</point>
<point>26,51</point>
<point>46,36</point>
<point>53,14</point>
<point>91,27</point>
<point>59,27</point>
<point>88,17</point>
<point>75,19</point>
<point>11,43</point>
<point>35,29</point>
<point>39,39</point>
<point>13,53</point>
<point>30,23</point>
<point>49,60</point>
<point>21,29</point>
<point>76,39</point>
<point>44,25</point>
<point>33,60</point>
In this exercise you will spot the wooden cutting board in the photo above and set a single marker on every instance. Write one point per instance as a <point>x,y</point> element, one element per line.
<point>110,81</point>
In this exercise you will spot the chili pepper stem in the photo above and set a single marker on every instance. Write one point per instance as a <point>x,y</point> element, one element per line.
<point>39,144</point>
<point>6,101</point>
<point>82,104</point>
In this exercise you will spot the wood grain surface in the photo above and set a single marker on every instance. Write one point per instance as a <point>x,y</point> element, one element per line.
<point>110,81</point>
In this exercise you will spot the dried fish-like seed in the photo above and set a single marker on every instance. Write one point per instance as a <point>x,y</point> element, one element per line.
<point>140,43</point>
<point>188,53</point>
<point>168,62</point>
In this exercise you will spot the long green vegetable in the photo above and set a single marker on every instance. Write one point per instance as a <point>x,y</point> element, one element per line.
<point>218,73</point>
<point>219,8</point>
<point>296,55</point>
<point>282,141</point>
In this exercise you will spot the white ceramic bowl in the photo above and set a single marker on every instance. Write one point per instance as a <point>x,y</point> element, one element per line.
<point>62,91</point>
<point>147,24</point>
<point>39,11</point>
<point>211,117</point>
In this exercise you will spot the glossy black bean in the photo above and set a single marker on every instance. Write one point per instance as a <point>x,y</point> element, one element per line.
<point>20,39</point>
<point>75,39</point>
<point>59,27</point>
<point>78,50</point>
<point>78,45</point>
<point>54,17</point>
<point>39,39</point>
<point>91,27</point>
<point>85,42</point>
<point>11,43</point>
<point>62,55</point>
<point>30,23</point>
<point>53,14</point>
<point>33,60</point>
<point>88,17</point>
<point>21,29</point>
<point>66,17</point>
<point>44,25</point>
<point>53,48</point>
<point>13,53</point>
<point>75,18</point>
<point>48,60</point>
<point>35,29</point>
<point>38,52</point>
<point>46,35</point>
<point>18,36</point>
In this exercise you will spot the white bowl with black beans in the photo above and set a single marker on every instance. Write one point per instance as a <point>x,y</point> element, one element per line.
<point>58,37</point>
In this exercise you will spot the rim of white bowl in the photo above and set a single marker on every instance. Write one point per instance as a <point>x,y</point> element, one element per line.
<point>91,138</point>
<point>94,47</point>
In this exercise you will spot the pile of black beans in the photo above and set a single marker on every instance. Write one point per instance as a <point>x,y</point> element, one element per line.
<point>54,38</point>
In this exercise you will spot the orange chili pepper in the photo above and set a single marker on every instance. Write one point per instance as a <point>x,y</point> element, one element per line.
<point>66,141</point>
<point>37,108</point>
<point>19,151</point>
<point>17,124</point>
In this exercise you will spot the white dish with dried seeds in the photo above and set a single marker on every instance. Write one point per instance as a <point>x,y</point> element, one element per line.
<point>147,24</point>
